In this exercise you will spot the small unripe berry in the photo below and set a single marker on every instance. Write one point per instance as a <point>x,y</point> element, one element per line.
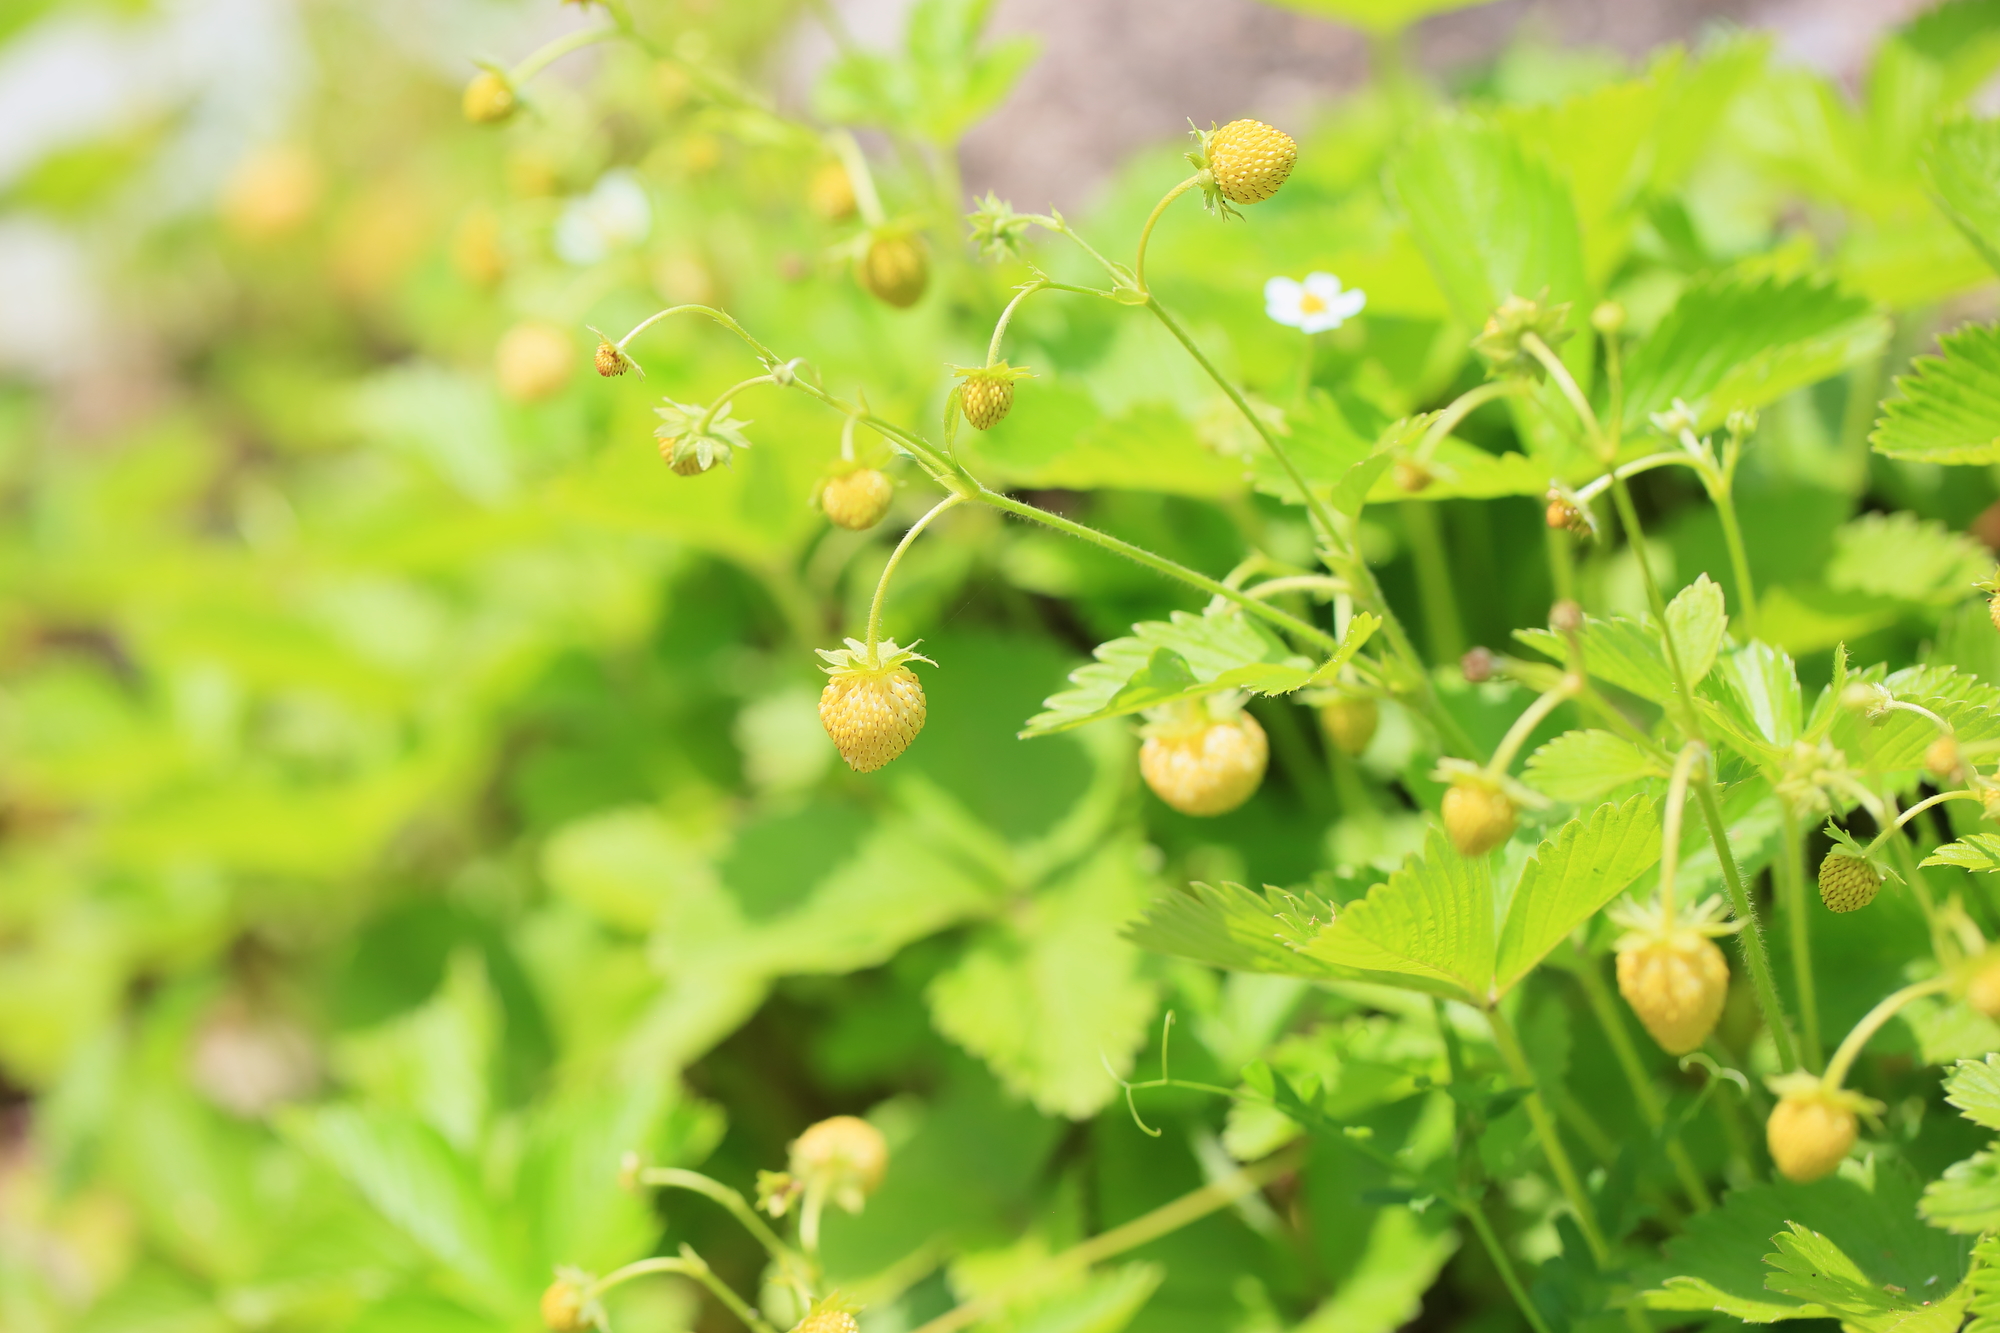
<point>1809,1134</point>
<point>1677,986</point>
<point>856,500</point>
<point>532,362</point>
<point>896,269</point>
<point>831,192</point>
<point>1608,317</point>
<point>1941,757</point>
<point>827,1321</point>
<point>1350,722</point>
<point>1847,883</point>
<point>488,99</point>
<point>986,399</point>
<point>609,360</point>
<point>1250,160</point>
<point>1203,765</point>
<point>1411,476</point>
<point>1983,992</point>
<point>1993,609</point>
<point>873,704</point>
<point>844,1155</point>
<point>1566,617</point>
<point>1477,816</point>
<point>1478,665</point>
<point>563,1306</point>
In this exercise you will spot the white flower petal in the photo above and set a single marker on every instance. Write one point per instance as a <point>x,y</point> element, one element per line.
<point>1323,285</point>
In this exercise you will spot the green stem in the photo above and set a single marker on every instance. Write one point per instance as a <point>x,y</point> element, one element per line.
<point>1006,316</point>
<point>1739,560</point>
<point>1751,938</point>
<point>1870,1024</point>
<point>1647,1098</point>
<point>1517,735</point>
<point>557,49</point>
<point>1159,563</point>
<point>715,408</point>
<point>1792,904</point>
<point>896,558</point>
<point>1473,1213</point>
<point>1567,384</point>
<point>689,1264</point>
<point>673,1177</point>
<point>1459,409</point>
<point>1550,1136</point>
<point>855,164</point>
<point>1146,232</point>
<point>1440,603</point>
<point>1670,827</point>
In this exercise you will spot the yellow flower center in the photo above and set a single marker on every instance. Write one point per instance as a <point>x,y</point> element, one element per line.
<point>1310,304</point>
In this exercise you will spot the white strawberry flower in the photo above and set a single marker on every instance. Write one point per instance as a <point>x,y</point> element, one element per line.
<point>1315,305</point>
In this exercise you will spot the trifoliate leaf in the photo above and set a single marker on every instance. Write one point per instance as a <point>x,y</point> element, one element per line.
<point>1902,556</point>
<point>1737,341</point>
<point>1430,928</point>
<point>1948,409</point>
<point>1966,1199</point>
<point>1975,851</point>
<point>1973,1086</point>
<point>1961,164</point>
<point>1580,766</point>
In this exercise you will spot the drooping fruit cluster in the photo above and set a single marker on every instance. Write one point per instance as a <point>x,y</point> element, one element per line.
<point>1479,815</point>
<point>1244,162</point>
<point>1205,757</point>
<point>1671,972</point>
<point>895,268</point>
<point>1847,883</point>
<point>873,704</point>
<point>1811,1128</point>
<point>857,499</point>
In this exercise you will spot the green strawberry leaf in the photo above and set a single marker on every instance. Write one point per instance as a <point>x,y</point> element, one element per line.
<point>1227,926</point>
<point>1429,928</point>
<point>1620,651</point>
<point>1741,341</point>
<point>1569,878</point>
<point>1966,1199</point>
<point>1974,851</point>
<point>1961,164</point>
<point>1909,558</point>
<point>1973,1086</point>
<point>1580,766</point>
<point>1947,410</point>
<point>1697,620</point>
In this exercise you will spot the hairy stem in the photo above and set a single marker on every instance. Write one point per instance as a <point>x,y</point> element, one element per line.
<point>1006,317</point>
<point>896,558</point>
<point>1146,232</point>
<point>1870,1024</point>
<point>1792,903</point>
<point>1434,588</point>
<point>1482,1228</point>
<point>689,1264</point>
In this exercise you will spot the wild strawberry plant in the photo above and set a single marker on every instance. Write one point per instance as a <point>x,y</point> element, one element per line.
<point>1519,542</point>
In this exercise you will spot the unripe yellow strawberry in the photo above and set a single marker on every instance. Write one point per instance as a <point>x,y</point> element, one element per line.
<point>827,1321</point>
<point>1983,991</point>
<point>895,269</point>
<point>987,400</point>
<point>857,499</point>
<point>873,704</point>
<point>1411,476</point>
<point>844,1156</point>
<point>564,1306</point>
<point>1201,764</point>
<point>610,360</point>
<point>1677,986</point>
<point>488,99</point>
<point>1350,721</point>
<point>1993,609</point>
<point>831,192</point>
<point>1847,883</point>
<point>1478,816</point>
<point>1809,1133</point>
<point>1941,757</point>
<point>1249,160</point>
<point>532,361</point>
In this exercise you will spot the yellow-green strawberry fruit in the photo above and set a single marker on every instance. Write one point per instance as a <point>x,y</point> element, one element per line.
<point>1350,722</point>
<point>1250,160</point>
<point>1676,986</point>
<point>1847,883</point>
<point>1477,817</point>
<point>986,399</point>
<point>488,99</point>
<point>896,269</point>
<point>872,715</point>
<point>1207,767</point>
<point>856,500</point>
<point>827,1321</point>
<point>563,1307</point>
<point>1809,1134</point>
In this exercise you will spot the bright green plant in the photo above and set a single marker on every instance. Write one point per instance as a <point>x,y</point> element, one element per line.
<point>437,902</point>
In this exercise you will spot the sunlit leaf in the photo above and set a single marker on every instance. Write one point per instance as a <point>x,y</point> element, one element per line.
<point>1225,926</point>
<point>1973,1086</point>
<point>1429,928</point>
<point>1580,766</point>
<point>1570,877</point>
<point>1966,1199</point>
<point>1947,410</point>
<point>1900,555</point>
<point>1974,851</point>
<point>1961,163</point>
<point>1697,621</point>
